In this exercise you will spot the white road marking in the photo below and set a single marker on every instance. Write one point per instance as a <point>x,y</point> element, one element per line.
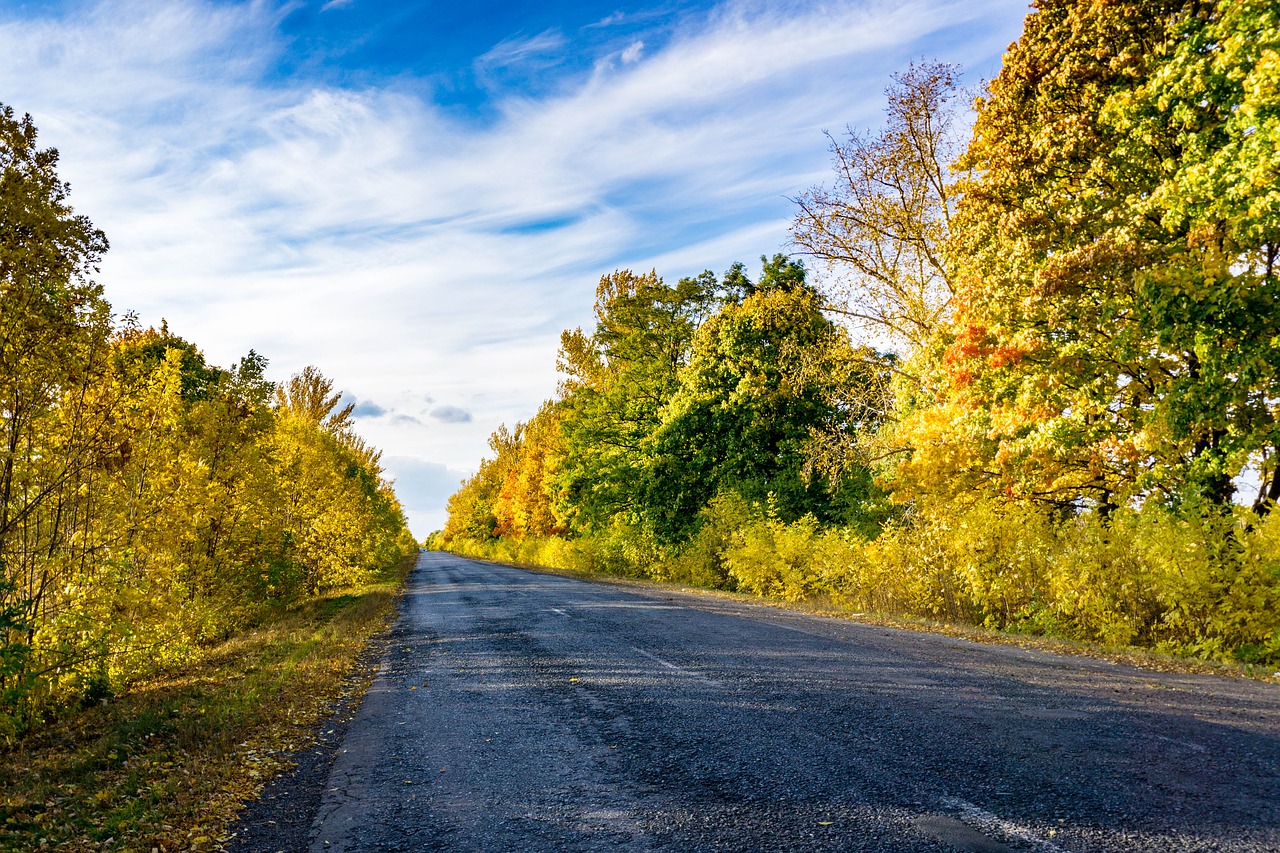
<point>773,623</point>
<point>989,822</point>
<point>1195,747</point>
<point>669,665</point>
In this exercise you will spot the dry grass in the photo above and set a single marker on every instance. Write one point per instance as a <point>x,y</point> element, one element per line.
<point>167,766</point>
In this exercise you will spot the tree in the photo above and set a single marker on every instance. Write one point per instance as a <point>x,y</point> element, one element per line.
<point>617,380</point>
<point>881,228</point>
<point>1114,337</point>
<point>145,494</point>
<point>54,331</point>
<point>334,506</point>
<point>309,395</point>
<point>758,385</point>
<point>525,505</point>
<point>232,486</point>
<point>473,507</point>
<point>1215,104</point>
<point>139,352</point>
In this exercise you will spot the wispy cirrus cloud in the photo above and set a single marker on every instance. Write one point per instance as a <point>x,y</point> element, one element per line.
<point>405,247</point>
<point>518,49</point>
<point>632,53</point>
<point>610,20</point>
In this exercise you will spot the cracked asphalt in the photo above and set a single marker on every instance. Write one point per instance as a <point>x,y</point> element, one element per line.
<point>521,711</point>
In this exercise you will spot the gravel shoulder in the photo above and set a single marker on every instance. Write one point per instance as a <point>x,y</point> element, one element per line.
<point>279,821</point>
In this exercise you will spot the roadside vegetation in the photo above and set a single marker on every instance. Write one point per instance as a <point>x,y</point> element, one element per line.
<point>168,765</point>
<point>190,555</point>
<point>1042,355</point>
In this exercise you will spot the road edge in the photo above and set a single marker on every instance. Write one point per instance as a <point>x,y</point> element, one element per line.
<point>280,819</point>
<point>1132,656</point>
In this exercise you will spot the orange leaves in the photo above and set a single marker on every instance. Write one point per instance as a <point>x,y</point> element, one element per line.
<point>972,342</point>
<point>977,343</point>
<point>1005,356</point>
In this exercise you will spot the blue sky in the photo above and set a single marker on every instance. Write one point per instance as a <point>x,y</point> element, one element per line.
<point>417,197</point>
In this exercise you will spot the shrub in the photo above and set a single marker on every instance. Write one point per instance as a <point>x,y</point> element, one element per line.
<point>1205,584</point>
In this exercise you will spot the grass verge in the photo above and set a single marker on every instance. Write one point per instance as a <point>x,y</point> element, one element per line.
<point>167,766</point>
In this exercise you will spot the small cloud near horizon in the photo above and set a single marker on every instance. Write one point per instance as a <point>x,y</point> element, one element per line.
<point>451,415</point>
<point>367,409</point>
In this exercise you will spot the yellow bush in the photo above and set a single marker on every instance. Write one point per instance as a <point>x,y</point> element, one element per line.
<point>776,559</point>
<point>1204,585</point>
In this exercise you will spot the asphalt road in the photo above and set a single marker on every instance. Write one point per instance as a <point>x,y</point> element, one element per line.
<point>523,711</point>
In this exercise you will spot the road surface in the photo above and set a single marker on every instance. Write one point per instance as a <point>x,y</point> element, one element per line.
<point>524,711</point>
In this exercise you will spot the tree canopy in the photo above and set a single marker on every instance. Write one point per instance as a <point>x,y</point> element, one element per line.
<point>1080,300</point>
<point>149,501</point>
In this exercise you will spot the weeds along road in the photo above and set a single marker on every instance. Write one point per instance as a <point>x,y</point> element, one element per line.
<point>522,711</point>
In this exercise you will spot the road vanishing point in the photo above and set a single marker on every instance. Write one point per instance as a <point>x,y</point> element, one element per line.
<point>515,710</point>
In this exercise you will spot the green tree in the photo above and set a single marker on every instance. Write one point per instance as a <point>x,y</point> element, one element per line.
<point>758,385</point>
<point>138,352</point>
<point>1206,126</point>
<point>617,381</point>
<point>231,486</point>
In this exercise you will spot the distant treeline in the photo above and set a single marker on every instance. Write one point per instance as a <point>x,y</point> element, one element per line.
<point>150,503</point>
<point>1074,313</point>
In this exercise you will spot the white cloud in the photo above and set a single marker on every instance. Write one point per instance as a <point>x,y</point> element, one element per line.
<point>404,250</point>
<point>518,49</point>
<point>632,53</point>
<point>608,21</point>
<point>451,415</point>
